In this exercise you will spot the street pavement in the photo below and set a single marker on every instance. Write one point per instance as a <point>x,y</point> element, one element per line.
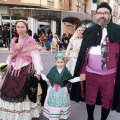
<point>78,109</point>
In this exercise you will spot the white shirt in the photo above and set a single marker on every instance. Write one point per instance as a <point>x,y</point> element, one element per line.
<point>97,49</point>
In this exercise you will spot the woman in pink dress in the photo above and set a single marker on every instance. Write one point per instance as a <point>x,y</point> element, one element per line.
<point>14,101</point>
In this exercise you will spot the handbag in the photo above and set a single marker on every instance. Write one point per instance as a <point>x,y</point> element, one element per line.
<point>33,86</point>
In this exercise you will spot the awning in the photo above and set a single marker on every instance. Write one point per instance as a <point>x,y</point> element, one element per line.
<point>48,14</point>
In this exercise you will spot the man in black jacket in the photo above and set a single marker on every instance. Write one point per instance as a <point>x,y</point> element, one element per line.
<point>98,64</point>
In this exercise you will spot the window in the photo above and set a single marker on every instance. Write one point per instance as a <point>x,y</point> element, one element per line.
<point>78,5</point>
<point>70,5</point>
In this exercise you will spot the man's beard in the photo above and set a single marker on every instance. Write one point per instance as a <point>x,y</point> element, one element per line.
<point>103,22</point>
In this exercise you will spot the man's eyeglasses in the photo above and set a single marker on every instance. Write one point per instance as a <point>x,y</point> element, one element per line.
<point>105,13</point>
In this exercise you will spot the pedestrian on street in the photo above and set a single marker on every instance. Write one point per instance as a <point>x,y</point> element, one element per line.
<point>6,36</point>
<point>73,49</point>
<point>47,43</point>
<point>14,101</point>
<point>57,103</point>
<point>100,68</point>
<point>65,41</point>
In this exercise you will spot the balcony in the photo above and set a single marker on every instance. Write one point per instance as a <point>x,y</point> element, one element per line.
<point>10,2</point>
<point>24,3</point>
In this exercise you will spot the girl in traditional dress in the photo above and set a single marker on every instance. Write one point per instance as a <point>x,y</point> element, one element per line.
<point>57,103</point>
<point>14,103</point>
<point>73,49</point>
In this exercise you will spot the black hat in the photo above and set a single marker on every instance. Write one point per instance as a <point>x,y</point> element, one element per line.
<point>104,5</point>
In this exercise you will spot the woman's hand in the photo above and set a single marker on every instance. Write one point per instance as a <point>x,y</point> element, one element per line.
<point>82,77</point>
<point>38,76</point>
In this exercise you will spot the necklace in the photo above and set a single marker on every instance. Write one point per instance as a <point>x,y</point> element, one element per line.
<point>20,38</point>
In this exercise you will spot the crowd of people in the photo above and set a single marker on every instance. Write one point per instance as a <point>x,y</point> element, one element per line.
<point>45,38</point>
<point>91,64</point>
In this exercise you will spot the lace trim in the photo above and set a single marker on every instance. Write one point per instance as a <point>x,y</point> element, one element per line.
<point>3,97</point>
<point>25,110</point>
<point>19,112</point>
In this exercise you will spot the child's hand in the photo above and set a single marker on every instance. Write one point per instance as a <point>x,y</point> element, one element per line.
<point>44,77</point>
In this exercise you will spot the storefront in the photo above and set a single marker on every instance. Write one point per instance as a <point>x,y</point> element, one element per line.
<point>56,20</point>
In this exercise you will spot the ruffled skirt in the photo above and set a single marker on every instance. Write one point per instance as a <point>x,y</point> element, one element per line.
<point>19,111</point>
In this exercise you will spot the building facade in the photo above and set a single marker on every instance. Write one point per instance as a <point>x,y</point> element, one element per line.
<point>62,16</point>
